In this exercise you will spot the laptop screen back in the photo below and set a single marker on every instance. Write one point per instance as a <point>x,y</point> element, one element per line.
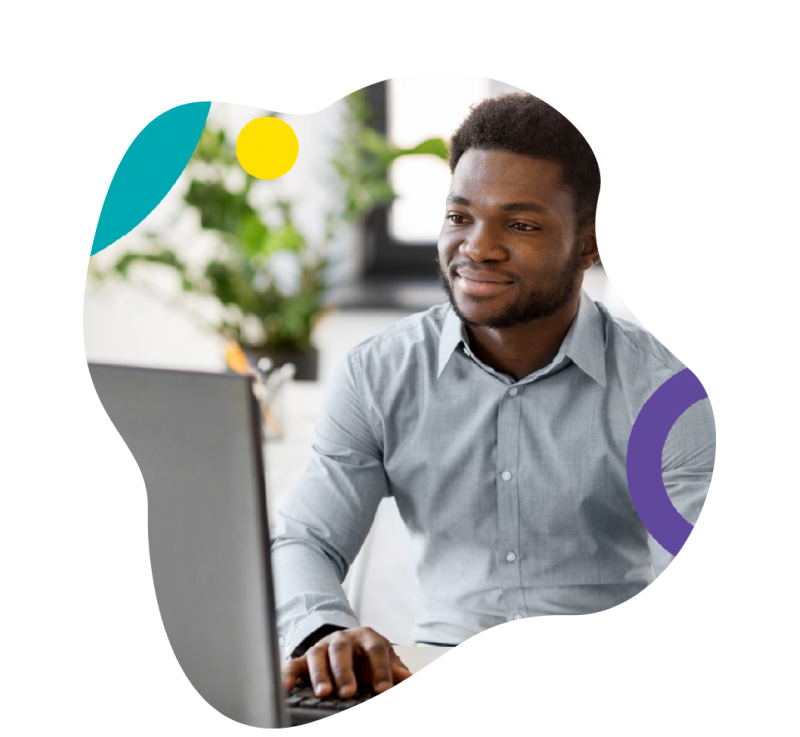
<point>196,439</point>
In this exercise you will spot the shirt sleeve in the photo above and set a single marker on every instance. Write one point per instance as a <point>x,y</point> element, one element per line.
<point>687,463</point>
<point>328,513</point>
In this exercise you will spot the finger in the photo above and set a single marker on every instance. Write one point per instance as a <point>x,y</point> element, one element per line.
<point>377,652</point>
<point>400,670</point>
<point>293,670</point>
<point>317,658</point>
<point>340,657</point>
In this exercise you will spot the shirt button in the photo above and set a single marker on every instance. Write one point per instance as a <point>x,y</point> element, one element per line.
<point>281,641</point>
<point>513,391</point>
<point>517,616</point>
<point>511,556</point>
<point>506,476</point>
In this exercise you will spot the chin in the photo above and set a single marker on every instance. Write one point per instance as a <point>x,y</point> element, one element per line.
<point>478,312</point>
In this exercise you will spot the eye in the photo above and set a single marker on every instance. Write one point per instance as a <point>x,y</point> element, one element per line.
<point>456,219</point>
<point>525,227</point>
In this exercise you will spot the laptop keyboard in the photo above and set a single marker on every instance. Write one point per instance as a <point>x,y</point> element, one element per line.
<point>302,697</point>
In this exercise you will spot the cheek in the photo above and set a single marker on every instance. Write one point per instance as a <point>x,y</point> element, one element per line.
<point>446,248</point>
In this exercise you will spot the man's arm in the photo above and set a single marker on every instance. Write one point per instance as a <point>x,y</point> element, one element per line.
<point>319,532</point>
<point>687,465</point>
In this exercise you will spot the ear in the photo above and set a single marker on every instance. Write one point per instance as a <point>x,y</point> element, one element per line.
<point>588,244</point>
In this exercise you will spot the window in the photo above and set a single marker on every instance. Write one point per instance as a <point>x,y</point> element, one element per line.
<point>400,241</point>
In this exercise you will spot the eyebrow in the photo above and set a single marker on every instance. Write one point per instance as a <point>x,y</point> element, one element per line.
<point>509,207</point>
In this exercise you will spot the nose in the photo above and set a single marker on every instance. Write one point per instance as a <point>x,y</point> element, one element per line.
<point>483,243</point>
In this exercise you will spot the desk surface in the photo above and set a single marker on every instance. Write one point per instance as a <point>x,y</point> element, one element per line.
<point>417,657</point>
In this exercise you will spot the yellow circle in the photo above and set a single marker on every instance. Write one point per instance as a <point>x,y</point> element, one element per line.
<point>267,148</point>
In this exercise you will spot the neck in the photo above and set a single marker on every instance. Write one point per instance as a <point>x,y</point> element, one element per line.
<point>525,348</point>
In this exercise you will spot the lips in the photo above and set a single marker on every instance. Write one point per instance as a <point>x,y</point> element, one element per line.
<point>481,276</point>
<point>480,283</point>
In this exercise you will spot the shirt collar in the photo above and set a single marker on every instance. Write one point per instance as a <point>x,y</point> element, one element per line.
<point>453,333</point>
<point>584,342</point>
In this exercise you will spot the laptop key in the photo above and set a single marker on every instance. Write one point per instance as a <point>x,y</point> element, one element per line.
<point>327,705</point>
<point>302,697</point>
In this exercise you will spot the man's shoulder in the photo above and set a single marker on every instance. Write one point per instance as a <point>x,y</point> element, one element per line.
<point>375,372</point>
<point>637,364</point>
<point>631,345</point>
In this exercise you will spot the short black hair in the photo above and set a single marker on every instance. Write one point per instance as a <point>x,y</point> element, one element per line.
<point>524,124</point>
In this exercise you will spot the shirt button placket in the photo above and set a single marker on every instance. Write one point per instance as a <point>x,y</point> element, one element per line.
<point>507,454</point>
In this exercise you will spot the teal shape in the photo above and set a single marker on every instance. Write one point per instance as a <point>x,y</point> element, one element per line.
<point>148,170</point>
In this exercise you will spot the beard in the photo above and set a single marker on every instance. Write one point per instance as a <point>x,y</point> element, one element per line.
<point>543,301</point>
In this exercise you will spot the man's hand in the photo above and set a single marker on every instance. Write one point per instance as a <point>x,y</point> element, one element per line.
<point>345,659</point>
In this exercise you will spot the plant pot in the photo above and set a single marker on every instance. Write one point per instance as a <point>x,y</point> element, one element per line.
<point>306,361</point>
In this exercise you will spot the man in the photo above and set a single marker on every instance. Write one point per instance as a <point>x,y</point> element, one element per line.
<point>499,422</point>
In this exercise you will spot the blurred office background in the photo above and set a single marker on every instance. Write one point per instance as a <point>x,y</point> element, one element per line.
<point>381,270</point>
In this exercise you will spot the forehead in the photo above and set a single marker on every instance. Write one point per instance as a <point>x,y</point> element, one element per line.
<point>497,178</point>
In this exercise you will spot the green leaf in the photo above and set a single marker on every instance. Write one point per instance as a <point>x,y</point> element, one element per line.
<point>160,256</point>
<point>220,209</point>
<point>253,234</point>
<point>213,148</point>
<point>434,146</point>
<point>285,238</point>
<point>231,284</point>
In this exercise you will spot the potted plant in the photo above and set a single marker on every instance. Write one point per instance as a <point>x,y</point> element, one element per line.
<point>259,312</point>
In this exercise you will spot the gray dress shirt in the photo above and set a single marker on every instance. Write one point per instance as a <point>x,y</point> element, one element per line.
<point>514,492</point>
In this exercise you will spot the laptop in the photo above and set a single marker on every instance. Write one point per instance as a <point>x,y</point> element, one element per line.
<point>197,439</point>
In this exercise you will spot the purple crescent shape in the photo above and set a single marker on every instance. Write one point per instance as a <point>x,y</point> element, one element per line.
<point>643,462</point>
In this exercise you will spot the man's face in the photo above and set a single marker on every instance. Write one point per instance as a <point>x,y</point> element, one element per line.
<point>509,249</point>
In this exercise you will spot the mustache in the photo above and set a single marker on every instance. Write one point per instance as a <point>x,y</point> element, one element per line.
<point>453,269</point>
